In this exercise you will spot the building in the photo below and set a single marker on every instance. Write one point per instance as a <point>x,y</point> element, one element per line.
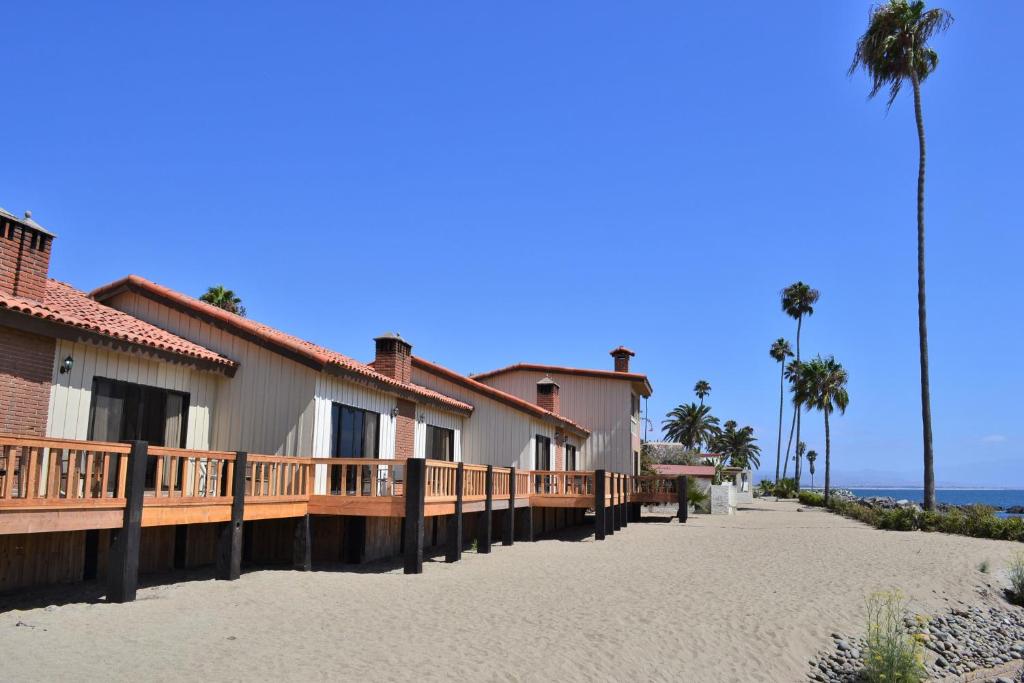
<point>606,401</point>
<point>134,360</point>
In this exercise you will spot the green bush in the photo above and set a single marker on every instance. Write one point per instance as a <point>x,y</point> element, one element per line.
<point>898,519</point>
<point>786,488</point>
<point>1016,573</point>
<point>974,520</point>
<point>812,498</point>
<point>891,653</point>
<point>697,496</point>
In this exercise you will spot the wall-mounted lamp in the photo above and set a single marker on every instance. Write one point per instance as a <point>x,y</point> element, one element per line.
<point>66,366</point>
<point>394,412</point>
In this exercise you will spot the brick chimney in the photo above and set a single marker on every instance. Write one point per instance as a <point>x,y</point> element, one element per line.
<point>394,357</point>
<point>24,256</point>
<point>621,356</point>
<point>547,395</point>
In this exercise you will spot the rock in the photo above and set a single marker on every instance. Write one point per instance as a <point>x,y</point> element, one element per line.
<point>941,662</point>
<point>843,646</point>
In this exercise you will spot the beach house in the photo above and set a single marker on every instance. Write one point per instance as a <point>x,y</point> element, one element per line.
<point>134,360</point>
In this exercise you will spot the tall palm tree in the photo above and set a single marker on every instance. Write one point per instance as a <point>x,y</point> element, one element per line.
<point>798,301</point>
<point>702,388</point>
<point>822,386</point>
<point>801,448</point>
<point>894,50</point>
<point>780,351</point>
<point>691,425</point>
<point>792,374</point>
<point>222,297</point>
<point>811,457</point>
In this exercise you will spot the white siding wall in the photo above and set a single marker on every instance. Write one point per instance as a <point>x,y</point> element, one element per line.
<point>600,405</point>
<point>71,393</point>
<point>429,416</point>
<point>267,407</point>
<point>495,434</point>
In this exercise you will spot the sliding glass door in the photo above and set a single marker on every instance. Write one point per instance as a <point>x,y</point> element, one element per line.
<point>354,434</point>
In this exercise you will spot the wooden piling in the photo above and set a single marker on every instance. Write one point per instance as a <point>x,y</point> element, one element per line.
<point>415,493</point>
<point>454,531</point>
<point>123,568</point>
<point>229,545</point>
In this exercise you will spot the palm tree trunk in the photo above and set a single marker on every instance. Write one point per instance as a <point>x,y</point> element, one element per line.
<point>778,446</point>
<point>799,325</point>
<point>828,458</point>
<point>792,426</point>
<point>922,317</point>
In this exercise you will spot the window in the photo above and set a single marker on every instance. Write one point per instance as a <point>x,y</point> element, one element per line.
<point>570,457</point>
<point>124,411</point>
<point>542,455</point>
<point>440,444</point>
<point>354,434</point>
<point>634,406</point>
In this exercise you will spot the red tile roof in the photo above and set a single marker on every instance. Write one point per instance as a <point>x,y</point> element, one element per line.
<point>707,471</point>
<point>65,305</point>
<point>312,354</point>
<point>497,395</point>
<point>601,374</point>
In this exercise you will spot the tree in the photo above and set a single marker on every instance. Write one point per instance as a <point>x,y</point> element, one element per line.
<point>893,51</point>
<point>798,301</point>
<point>811,457</point>
<point>739,446</point>
<point>780,351</point>
<point>792,374</point>
<point>691,425</point>
<point>822,386</point>
<point>702,388</point>
<point>801,448</point>
<point>224,298</point>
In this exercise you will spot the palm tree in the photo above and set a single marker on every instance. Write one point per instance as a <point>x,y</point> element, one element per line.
<point>224,298</point>
<point>792,374</point>
<point>822,386</point>
<point>691,425</point>
<point>811,457</point>
<point>739,446</point>
<point>798,301</point>
<point>895,50</point>
<point>780,351</point>
<point>702,388</point>
<point>801,448</point>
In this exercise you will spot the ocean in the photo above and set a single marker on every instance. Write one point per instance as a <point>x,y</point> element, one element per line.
<point>1003,498</point>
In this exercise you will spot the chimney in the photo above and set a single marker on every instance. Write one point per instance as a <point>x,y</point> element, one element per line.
<point>394,357</point>
<point>24,256</point>
<point>547,395</point>
<point>621,356</point>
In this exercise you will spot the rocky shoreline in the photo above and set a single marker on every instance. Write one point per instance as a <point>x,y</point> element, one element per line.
<point>890,503</point>
<point>974,643</point>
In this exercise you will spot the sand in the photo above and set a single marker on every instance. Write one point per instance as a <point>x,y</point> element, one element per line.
<point>749,597</point>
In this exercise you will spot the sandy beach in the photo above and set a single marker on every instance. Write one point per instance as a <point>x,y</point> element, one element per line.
<point>749,597</point>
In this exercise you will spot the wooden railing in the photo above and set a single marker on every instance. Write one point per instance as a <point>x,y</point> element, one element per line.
<point>653,489</point>
<point>51,470</point>
<point>277,476</point>
<point>362,477</point>
<point>187,474</point>
<point>474,483</point>
<point>562,483</point>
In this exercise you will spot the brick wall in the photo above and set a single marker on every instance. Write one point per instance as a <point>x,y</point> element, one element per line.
<point>394,358</point>
<point>24,261</point>
<point>405,430</point>
<point>26,366</point>
<point>548,397</point>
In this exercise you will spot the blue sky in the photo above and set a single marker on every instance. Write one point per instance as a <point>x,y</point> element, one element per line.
<point>544,181</point>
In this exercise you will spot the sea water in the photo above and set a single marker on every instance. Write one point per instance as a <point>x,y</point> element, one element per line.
<point>1002,498</point>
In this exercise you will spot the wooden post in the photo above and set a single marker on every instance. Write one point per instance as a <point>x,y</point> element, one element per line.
<point>617,501</point>
<point>510,514</point>
<point>123,568</point>
<point>302,549</point>
<point>624,505</point>
<point>599,509</point>
<point>524,527</point>
<point>229,545</point>
<point>484,529</point>
<point>454,531</point>
<point>415,494</point>
<point>684,503</point>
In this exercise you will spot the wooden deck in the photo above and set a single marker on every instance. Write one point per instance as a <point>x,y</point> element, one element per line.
<point>51,485</point>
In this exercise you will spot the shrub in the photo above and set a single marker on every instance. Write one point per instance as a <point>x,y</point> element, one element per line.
<point>1016,574</point>
<point>897,519</point>
<point>786,488</point>
<point>812,498</point>
<point>983,566</point>
<point>697,496</point>
<point>891,653</point>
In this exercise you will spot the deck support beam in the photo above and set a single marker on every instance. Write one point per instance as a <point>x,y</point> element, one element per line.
<point>123,569</point>
<point>616,502</point>
<point>454,530</point>
<point>510,513</point>
<point>415,494</point>
<point>684,504</point>
<point>624,503</point>
<point>524,527</point>
<point>229,545</point>
<point>302,547</point>
<point>483,532</point>
<point>599,509</point>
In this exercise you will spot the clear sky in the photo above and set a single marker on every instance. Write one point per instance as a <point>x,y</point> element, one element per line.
<point>539,181</point>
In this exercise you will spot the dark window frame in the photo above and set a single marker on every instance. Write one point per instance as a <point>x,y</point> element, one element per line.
<point>571,457</point>
<point>350,418</point>
<point>539,440</point>
<point>433,440</point>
